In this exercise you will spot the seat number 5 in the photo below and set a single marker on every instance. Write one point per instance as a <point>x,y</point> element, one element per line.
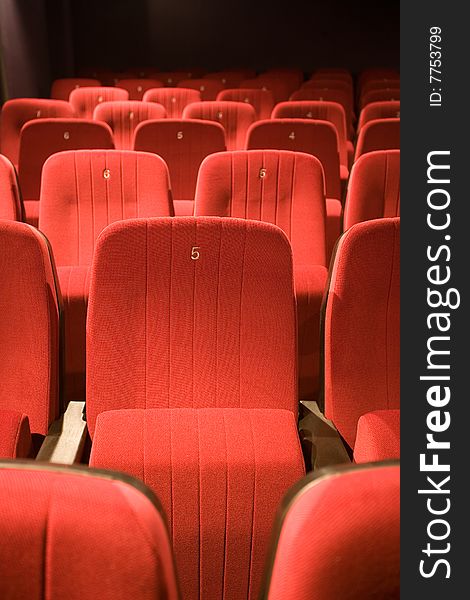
<point>195,254</point>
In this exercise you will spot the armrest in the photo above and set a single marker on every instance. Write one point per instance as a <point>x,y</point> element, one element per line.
<point>65,440</point>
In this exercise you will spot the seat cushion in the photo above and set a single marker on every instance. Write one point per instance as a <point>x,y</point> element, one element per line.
<point>74,286</point>
<point>378,436</point>
<point>15,435</point>
<point>220,475</point>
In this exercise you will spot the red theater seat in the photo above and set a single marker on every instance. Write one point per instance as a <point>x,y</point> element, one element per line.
<point>378,436</point>
<point>229,79</point>
<point>374,188</point>
<point>328,95</point>
<point>138,87</point>
<point>381,134</point>
<point>191,385</point>
<point>319,138</point>
<point>235,118</point>
<point>183,144</point>
<point>170,78</point>
<point>70,533</point>
<point>337,536</point>
<point>173,99</point>
<point>333,73</point>
<point>381,95</point>
<point>324,111</point>
<point>82,192</point>
<point>280,88</point>
<point>362,325</point>
<point>29,333</point>
<point>10,198</point>
<point>387,109</point>
<point>41,139</point>
<point>261,100</point>
<point>61,88</point>
<point>208,88</point>
<point>15,113</point>
<point>123,118</point>
<point>284,188</point>
<point>375,74</point>
<point>85,100</point>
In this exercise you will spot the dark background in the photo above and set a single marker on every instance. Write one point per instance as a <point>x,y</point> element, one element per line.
<point>45,39</point>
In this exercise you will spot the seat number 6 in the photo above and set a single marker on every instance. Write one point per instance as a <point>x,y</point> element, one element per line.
<point>195,254</point>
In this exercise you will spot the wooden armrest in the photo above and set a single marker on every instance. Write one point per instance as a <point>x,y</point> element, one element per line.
<point>66,437</point>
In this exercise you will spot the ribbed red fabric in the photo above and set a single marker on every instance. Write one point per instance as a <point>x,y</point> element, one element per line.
<point>380,95</point>
<point>284,188</point>
<point>168,327</point>
<point>378,436</point>
<point>40,139</point>
<point>340,538</point>
<point>183,144</point>
<point>229,79</point>
<point>15,435</point>
<point>85,100</point>
<point>376,74</point>
<point>10,199</point>
<point>220,474</point>
<point>170,78</point>
<point>362,325</point>
<point>381,134</point>
<point>208,88</point>
<point>173,99</point>
<point>302,135</point>
<point>76,534</point>
<point>374,92</point>
<point>333,73</point>
<point>280,88</point>
<point>374,187</point>
<point>293,75</point>
<point>387,109</point>
<point>123,118</point>
<point>82,192</point>
<point>323,111</point>
<point>61,88</point>
<point>326,83</point>
<point>235,118</point>
<point>138,87</point>
<point>29,326</point>
<point>261,100</point>
<point>340,96</point>
<point>15,113</point>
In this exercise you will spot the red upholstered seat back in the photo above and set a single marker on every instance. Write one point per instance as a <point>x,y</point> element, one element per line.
<point>15,113</point>
<point>362,325</point>
<point>123,117</point>
<point>276,186</point>
<point>41,139</point>
<point>76,533</point>
<point>84,191</point>
<point>208,88</point>
<point>281,88</point>
<point>10,202</point>
<point>85,100</point>
<point>374,188</point>
<point>235,118</point>
<point>261,100</point>
<point>29,326</point>
<point>380,95</point>
<point>183,144</point>
<point>191,313</point>
<point>386,109</point>
<point>228,79</point>
<point>173,99</point>
<point>138,87</point>
<point>339,537</point>
<point>170,78</point>
<point>381,134</point>
<point>61,88</point>
<point>318,110</point>
<point>340,96</point>
<point>301,135</point>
